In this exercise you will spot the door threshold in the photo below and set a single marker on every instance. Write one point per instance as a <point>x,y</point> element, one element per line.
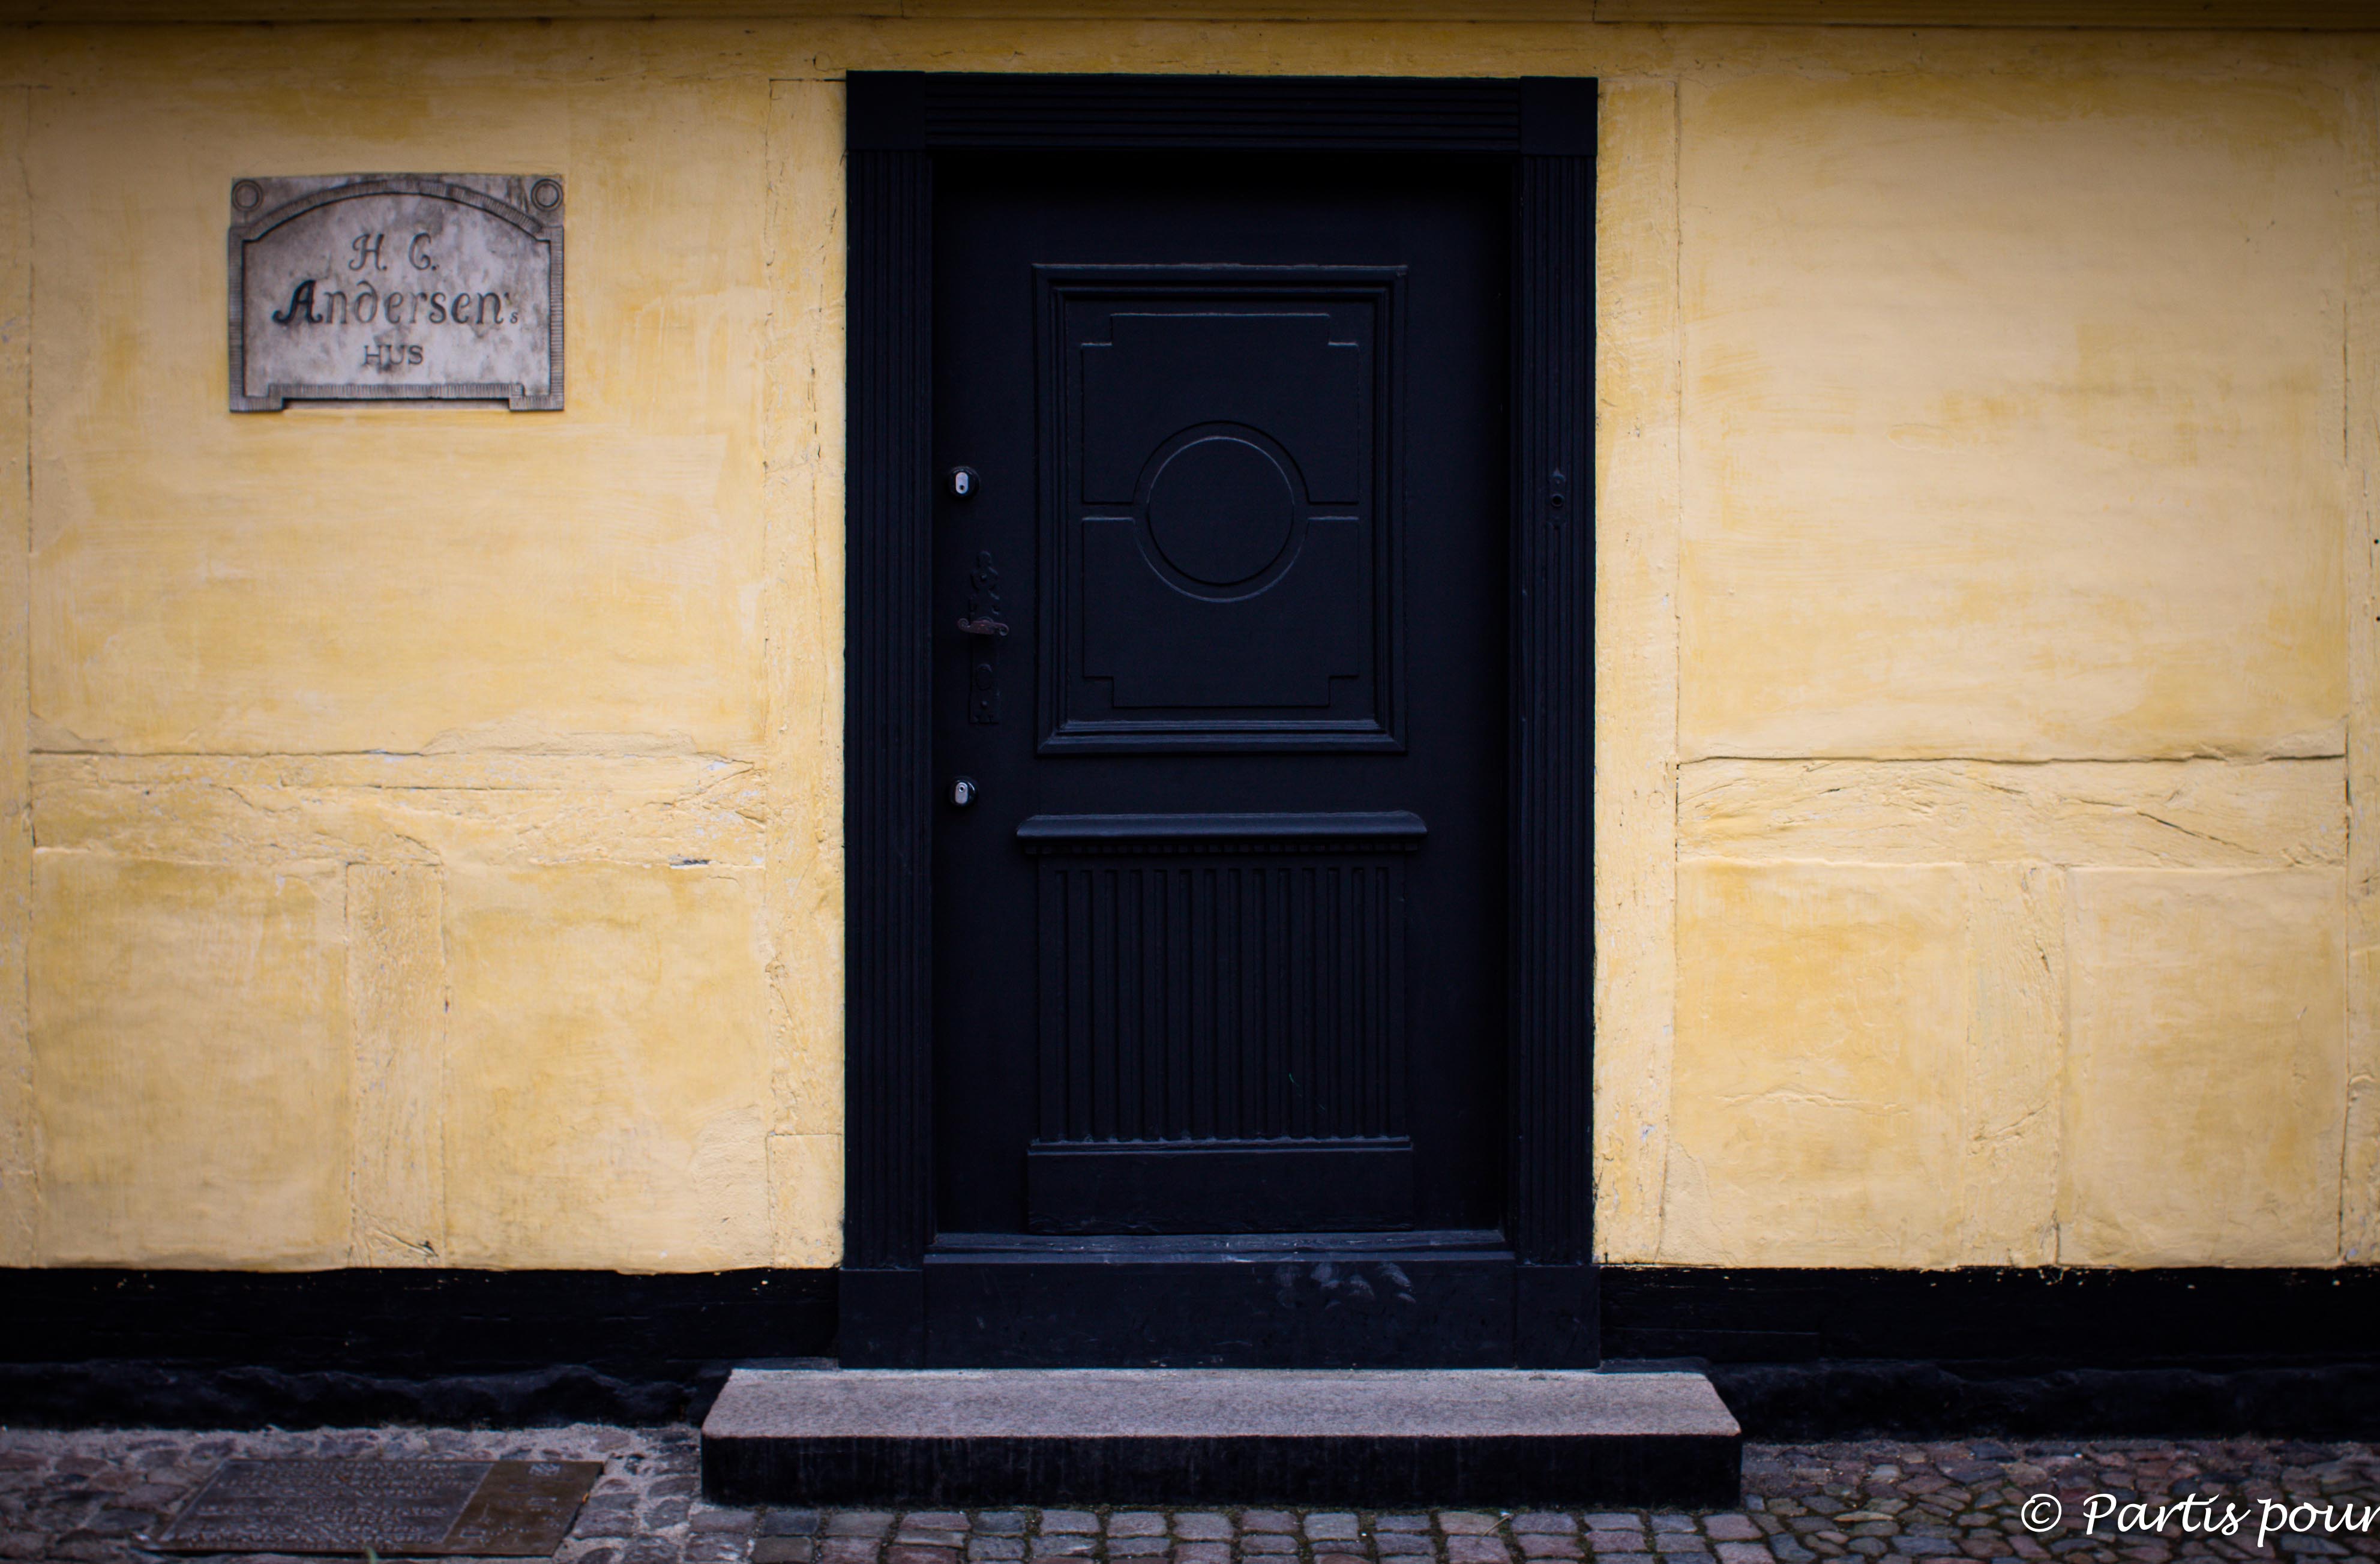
<point>1482,1242</point>
<point>1408,1300</point>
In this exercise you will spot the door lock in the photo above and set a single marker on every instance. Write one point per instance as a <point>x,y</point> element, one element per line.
<point>963,791</point>
<point>983,621</point>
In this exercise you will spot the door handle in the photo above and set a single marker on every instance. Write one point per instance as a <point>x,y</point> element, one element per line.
<point>983,626</point>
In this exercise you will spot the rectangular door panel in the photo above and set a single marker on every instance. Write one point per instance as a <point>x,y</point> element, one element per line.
<point>1196,998</point>
<point>1443,1300</point>
<point>1222,1024</point>
<point>1338,1185</point>
<point>1220,539</point>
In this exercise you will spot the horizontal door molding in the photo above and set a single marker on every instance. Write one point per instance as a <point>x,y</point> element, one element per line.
<point>1392,830</point>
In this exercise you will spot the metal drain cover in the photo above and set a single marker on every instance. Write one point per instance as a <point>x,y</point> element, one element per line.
<point>490,1509</point>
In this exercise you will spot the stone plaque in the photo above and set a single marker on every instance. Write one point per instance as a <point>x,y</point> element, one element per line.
<point>422,1508</point>
<point>396,287</point>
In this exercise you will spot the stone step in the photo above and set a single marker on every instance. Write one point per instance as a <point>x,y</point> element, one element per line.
<point>1359,1437</point>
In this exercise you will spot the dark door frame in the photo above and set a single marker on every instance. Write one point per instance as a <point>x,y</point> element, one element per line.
<point>1542,129</point>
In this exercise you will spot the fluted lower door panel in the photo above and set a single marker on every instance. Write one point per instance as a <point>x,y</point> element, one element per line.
<point>1222,1040</point>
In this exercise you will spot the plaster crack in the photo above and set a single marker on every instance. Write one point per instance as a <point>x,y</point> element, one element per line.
<point>2014,1128</point>
<point>2203,836</point>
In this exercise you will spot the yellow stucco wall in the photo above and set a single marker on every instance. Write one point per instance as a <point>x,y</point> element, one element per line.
<point>421,828</point>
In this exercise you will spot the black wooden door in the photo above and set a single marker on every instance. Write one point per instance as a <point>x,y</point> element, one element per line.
<point>1219,708</point>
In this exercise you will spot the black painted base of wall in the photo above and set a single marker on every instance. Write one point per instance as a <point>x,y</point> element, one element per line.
<point>1824,1400</point>
<point>1807,1354</point>
<point>2105,1318</point>
<point>244,1349</point>
<point>121,1393</point>
<point>2015,1350</point>
<point>1834,1399</point>
<point>1797,1354</point>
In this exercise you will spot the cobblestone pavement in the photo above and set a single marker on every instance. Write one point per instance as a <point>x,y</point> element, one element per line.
<point>91,1496</point>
